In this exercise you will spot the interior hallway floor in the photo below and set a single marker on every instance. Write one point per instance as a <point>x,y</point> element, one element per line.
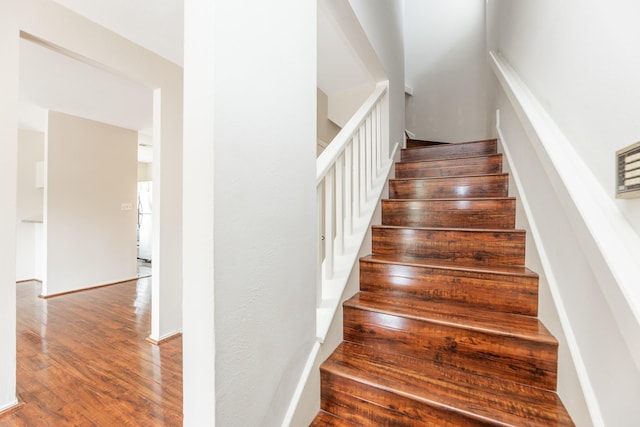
<point>143,268</point>
<point>82,360</point>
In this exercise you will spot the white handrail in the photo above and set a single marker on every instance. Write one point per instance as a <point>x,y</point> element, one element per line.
<point>351,173</point>
<point>330,154</point>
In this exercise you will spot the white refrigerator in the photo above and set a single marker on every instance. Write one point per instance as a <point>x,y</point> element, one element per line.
<point>145,230</point>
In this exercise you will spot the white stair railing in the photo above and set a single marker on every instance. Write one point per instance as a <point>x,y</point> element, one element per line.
<point>351,174</point>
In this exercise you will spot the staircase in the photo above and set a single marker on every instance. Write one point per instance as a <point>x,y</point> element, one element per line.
<point>444,331</point>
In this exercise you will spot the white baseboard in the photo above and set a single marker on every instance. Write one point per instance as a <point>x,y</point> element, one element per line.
<point>9,406</point>
<point>574,349</point>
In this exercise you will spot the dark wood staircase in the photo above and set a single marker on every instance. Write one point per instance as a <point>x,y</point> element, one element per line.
<point>444,330</point>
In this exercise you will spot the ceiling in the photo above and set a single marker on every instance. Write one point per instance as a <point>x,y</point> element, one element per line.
<point>49,80</point>
<point>157,25</point>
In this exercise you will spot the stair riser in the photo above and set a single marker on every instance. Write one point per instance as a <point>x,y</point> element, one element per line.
<point>447,188</point>
<point>450,213</point>
<point>503,293</point>
<point>451,167</point>
<point>462,246</point>
<point>449,150</point>
<point>367,405</point>
<point>507,357</point>
<point>413,143</point>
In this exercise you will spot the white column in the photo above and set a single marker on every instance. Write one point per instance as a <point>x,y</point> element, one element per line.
<point>199,403</point>
<point>9,51</point>
<point>166,309</point>
<point>257,90</point>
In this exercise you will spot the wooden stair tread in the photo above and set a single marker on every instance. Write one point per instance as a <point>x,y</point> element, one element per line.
<point>506,289</point>
<point>456,315</point>
<point>450,166</point>
<point>453,199</point>
<point>412,142</point>
<point>480,398</point>
<point>325,419</point>
<point>488,146</point>
<point>458,145</point>
<point>511,270</point>
<point>469,246</point>
<point>455,229</point>
<point>444,330</point>
<point>455,186</point>
<point>456,142</point>
<point>463,158</point>
<point>436,178</point>
<point>468,212</point>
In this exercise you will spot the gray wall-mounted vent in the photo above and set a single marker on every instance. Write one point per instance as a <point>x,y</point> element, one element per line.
<point>628,167</point>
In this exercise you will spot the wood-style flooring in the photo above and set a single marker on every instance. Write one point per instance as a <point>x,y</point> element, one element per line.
<point>82,360</point>
<point>444,330</point>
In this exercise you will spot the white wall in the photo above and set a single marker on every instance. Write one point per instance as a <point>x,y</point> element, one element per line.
<point>91,170</point>
<point>145,172</point>
<point>564,111</point>
<point>348,67</point>
<point>600,369</point>
<point>326,129</point>
<point>383,23</point>
<point>9,49</point>
<point>582,62</point>
<point>342,106</point>
<point>340,66</point>
<point>29,206</point>
<point>52,23</point>
<point>446,66</point>
<point>535,197</point>
<point>249,207</point>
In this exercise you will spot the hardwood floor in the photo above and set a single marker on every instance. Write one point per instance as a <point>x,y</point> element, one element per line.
<point>83,360</point>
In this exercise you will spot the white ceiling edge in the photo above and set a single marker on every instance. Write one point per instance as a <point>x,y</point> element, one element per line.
<point>156,25</point>
<point>52,81</point>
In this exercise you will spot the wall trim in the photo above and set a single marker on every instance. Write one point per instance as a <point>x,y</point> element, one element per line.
<point>88,288</point>
<point>609,242</point>
<point>11,406</point>
<point>27,281</point>
<point>574,349</point>
<point>168,337</point>
<point>302,382</point>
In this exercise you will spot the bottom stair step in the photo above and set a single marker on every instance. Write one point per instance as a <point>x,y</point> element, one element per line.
<point>370,387</point>
<point>325,419</point>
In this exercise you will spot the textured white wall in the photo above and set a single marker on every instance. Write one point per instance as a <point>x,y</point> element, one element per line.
<point>29,205</point>
<point>91,169</point>
<point>67,30</point>
<point>581,60</point>
<point>600,354</point>
<point>557,50</point>
<point>9,73</point>
<point>250,139</point>
<point>538,197</point>
<point>446,66</point>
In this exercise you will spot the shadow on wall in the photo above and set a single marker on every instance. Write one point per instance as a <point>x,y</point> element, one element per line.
<point>326,129</point>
